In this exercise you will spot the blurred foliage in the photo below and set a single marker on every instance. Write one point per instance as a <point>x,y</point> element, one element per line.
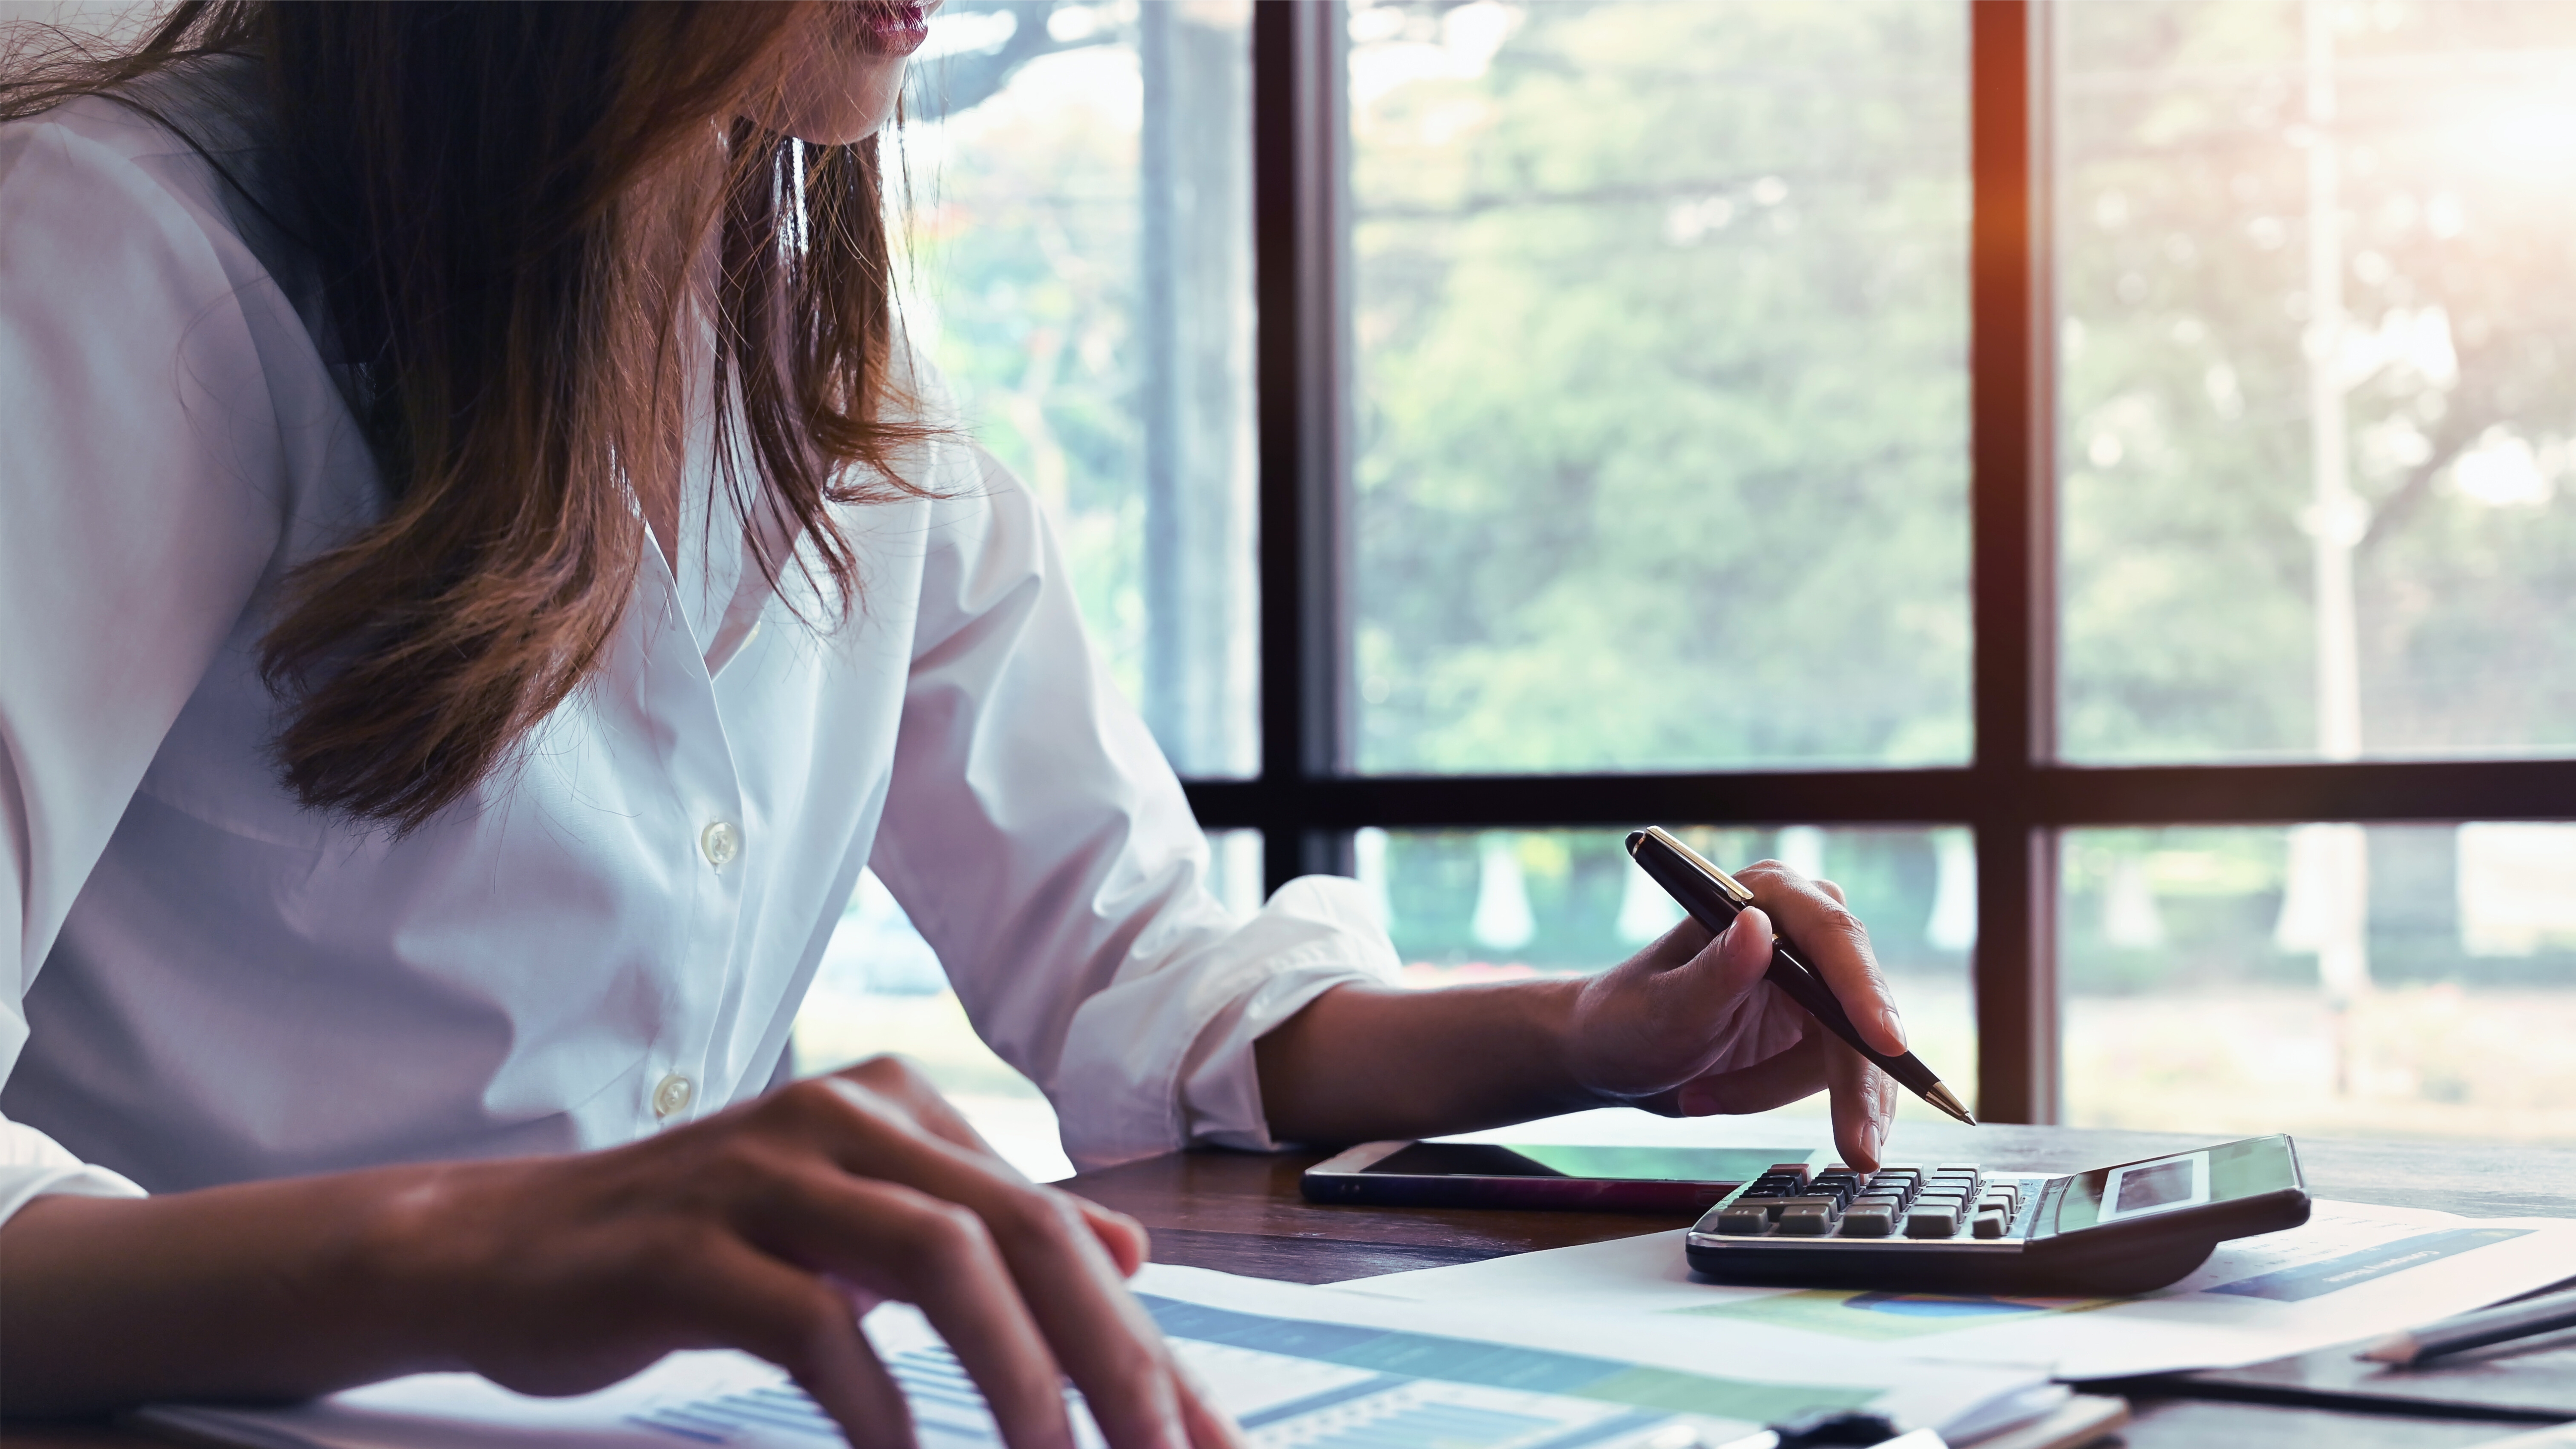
<point>2184,205</point>
<point>1662,403</point>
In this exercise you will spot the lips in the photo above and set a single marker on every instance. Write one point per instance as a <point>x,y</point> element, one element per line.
<point>893,28</point>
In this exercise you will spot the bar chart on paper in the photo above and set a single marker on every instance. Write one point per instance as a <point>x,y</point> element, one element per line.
<point>1297,1367</point>
<point>1319,1385</point>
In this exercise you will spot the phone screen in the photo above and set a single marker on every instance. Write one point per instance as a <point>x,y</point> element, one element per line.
<point>1614,1164</point>
<point>2225,1173</point>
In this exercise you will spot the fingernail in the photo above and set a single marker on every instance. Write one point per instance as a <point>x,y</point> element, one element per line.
<point>1895,1028</point>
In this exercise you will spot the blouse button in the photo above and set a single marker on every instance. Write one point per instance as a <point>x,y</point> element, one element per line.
<point>671,1094</point>
<point>720,843</point>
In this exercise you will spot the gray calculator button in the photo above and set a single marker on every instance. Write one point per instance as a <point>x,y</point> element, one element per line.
<point>1807,1220</point>
<point>1749,1220</point>
<point>1991,1224</point>
<point>1870,1218</point>
<point>1932,1222</point>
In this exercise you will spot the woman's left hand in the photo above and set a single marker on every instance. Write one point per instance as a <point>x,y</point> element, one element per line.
<point>1688,1026</point>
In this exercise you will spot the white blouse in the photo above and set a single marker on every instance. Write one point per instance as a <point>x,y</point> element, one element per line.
<point>213,984</point>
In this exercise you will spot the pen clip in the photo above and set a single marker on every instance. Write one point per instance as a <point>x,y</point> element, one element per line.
<point>1735,889</point>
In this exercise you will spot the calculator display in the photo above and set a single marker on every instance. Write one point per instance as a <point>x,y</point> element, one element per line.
<point>2211,1175</point>
<point>2159,1184</point>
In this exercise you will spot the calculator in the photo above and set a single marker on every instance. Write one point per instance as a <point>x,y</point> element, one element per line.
<point>1962,1228</point>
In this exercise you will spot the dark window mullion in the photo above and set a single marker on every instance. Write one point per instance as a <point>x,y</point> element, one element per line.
<point>2057,796</point>
<point>2013,590</point>
<point>1301,386</point>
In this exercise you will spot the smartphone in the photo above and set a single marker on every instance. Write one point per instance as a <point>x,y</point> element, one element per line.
<point>1676,1180</point>
<point>1962,1228</point>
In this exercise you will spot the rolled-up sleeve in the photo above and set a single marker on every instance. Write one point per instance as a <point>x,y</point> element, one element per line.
<point>1037,837</point>
<point>139,505</point>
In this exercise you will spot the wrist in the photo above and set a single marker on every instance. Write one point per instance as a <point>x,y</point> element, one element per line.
<point>1598,1056</point>
<point>403,1265</point>
<point>1564,1009</point>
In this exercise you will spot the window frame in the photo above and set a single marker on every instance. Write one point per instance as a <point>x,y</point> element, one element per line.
<point>2015,795</point>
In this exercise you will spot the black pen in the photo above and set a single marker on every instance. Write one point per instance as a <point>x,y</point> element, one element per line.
<point>1715,898</point>
<point>2475,1330</point>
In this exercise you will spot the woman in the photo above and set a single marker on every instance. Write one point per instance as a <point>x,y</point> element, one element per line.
<point>482,577</point>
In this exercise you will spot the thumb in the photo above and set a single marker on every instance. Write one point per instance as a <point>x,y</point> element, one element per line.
<point>1735,961</point>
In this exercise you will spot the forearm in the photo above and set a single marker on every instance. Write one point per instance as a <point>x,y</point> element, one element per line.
<point>270,1290</point>
<point>1362,1062</point>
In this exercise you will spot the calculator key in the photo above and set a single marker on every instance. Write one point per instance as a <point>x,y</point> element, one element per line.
<point>1970,1168</point>
<point>2001,1202</point>
<point>1932,1221</point>
<point>1990,1224</point>
<point>1807,1219</point>
<point>1744,1221</point>
<point>1796,1170</point>
<point>1870,1219</point>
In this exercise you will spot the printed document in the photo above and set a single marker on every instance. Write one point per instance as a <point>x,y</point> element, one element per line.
<point>1311,1367</point>
<point>2354,1271</point>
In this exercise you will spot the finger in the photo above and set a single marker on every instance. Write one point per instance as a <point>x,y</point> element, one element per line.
<point>1831,889</point>
<point>1065,1277</point>
<point>1129,1245</point>
<point>1676,947</point>
<point>1210,1427</point>
<point>911,1246</point>
<point>1834,942</point>
<point>1860,1105</point>
<point>1774,1081</point>
<point>748,1300</point>
<point>1109,1345</point>
<point>1711,984</point>
<point>897,1080</point>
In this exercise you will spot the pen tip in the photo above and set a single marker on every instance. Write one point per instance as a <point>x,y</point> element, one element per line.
<point>2397,1348</point>
<point>1941,1096</point>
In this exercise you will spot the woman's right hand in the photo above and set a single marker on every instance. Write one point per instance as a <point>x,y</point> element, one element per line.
<point>770,1227</point>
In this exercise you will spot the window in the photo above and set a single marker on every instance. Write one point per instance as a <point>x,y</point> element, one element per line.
<point>1659,325</point>
<point>1976,349</point>
<point>2091,477</point>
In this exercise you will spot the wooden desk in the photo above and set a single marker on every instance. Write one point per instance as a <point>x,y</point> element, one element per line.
<point>1242,1214</point>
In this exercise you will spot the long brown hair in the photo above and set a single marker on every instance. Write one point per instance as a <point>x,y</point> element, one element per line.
<point>506,205</point>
